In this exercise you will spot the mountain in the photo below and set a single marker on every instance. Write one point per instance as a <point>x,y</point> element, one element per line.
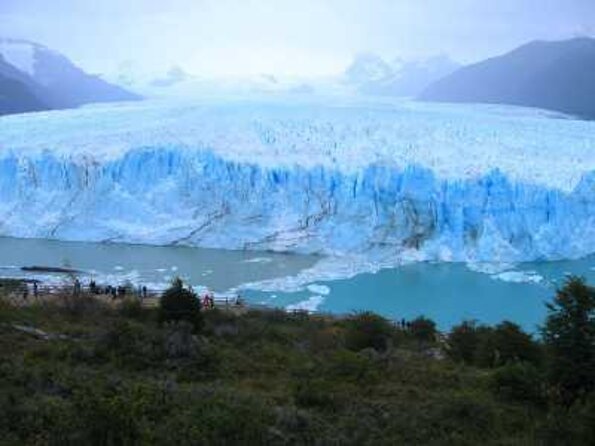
<point>367,68</point>
<point>178,83</point>
<point>411,78</point>
<point>551,75</point>
<point>370,74</point>
<point>18,92</point>
<point>58,82</point>
<point>174,76</point>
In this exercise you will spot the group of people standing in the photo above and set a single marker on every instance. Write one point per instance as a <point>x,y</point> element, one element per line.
<point>120,291</point>
<point>35,290</point>
<point>208,301</point>
<point>114,291</point>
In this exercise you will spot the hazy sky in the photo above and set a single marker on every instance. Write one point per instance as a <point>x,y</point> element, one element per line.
<point>285,37</point>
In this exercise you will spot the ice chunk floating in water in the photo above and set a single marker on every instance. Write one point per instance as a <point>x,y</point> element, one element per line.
<point>392,180</point>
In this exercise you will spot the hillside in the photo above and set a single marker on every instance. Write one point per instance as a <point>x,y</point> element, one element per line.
<point>78,371</point>
<point>551,75</point>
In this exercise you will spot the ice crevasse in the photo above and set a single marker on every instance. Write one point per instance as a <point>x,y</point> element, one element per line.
<point>430,182</point>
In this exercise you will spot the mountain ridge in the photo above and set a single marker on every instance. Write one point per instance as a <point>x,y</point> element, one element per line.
<point>372,75</point>
<point>553,75</point>
<point>47,75</point>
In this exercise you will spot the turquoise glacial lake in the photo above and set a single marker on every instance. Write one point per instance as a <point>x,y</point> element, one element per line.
<point>447,293</point>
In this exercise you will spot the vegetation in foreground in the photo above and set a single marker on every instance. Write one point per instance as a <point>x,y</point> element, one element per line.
<point>79,372</point>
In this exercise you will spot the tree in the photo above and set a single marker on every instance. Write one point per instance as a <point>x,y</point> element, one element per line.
<point>569,335</point>
<point>365,330</point>
<point>507,343</point>
<point>423,329</point>
<point>518,381</point>
<point>180,304</point>
<point>463,341</point>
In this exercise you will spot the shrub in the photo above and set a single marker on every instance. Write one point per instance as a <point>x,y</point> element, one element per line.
<point>180,304</point>
<point>131,344</point>
<point>511,343</point>
<point>519,382</point>
<point>423,329</point>
<point>570,425</point>
<point>569,335</point>
<point>367,330</point>
<point>346,366</point>
<point>484,346</point>
<point>313,393</point>
<point>180,342</point>
<point>131,307</point>
<point>77,307</point>
<point>323,339</point>
<point>463,341</point>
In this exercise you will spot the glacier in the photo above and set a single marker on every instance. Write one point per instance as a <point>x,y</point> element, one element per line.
<point>375,178</point>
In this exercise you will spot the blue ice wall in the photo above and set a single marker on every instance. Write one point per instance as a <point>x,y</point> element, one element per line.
<point>168,196</point>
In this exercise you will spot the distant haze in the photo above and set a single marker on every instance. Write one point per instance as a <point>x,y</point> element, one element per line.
<point>303,38</point>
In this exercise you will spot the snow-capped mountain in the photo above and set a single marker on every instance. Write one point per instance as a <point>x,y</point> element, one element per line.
<point>370,74</point>
<point>175,75</point>
<point>367,68</point>
<point>59,83</point>
<point>423,181</point>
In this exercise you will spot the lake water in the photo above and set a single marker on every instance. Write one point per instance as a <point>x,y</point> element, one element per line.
<point>447,293</point>
<point>154,266</point>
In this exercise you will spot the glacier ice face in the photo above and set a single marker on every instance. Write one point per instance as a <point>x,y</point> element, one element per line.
<point>391,179</point>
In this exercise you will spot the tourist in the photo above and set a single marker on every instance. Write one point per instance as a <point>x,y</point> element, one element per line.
<point>144,292</point>
<point>77,287</point>
<point>35,290</point>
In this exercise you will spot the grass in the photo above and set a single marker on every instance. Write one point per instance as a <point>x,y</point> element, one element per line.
<point>118,376</point>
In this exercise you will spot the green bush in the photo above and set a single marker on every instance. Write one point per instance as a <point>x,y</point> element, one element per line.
<point>463,341</point>
<point>423,329</point>
<point>180,304</point>
<point>367,330</point>
<point>511,343</point>
<point>490,347</point>
<point>271,378</point>
<point>131,345</point>
<point>131,307</point>
<point>347,366</point>
<point>574,425</point>
<point>520,382</point>
<point>313,393</point>
<point>569,335</point>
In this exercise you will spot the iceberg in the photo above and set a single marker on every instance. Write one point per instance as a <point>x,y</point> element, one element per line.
<point>378,179</point>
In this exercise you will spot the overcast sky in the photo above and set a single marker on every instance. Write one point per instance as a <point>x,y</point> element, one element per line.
<point>285,37</point>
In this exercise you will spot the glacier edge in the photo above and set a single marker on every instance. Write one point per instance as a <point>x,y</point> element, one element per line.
<point>164,196</point>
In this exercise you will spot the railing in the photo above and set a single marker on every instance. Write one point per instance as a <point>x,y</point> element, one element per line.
<point>27,293</point>
<point>32,290</point>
